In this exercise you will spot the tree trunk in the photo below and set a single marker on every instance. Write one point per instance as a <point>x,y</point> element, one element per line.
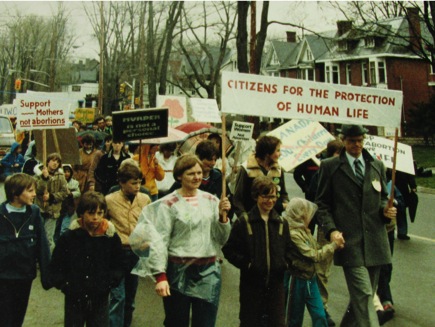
<point>242,36</point>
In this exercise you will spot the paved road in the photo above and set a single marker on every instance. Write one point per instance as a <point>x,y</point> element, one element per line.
<point>412,285</point>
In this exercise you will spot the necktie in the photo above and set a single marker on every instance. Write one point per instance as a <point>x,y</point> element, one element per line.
<point>358,171</point>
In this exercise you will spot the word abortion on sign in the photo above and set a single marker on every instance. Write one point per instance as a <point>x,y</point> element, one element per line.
<point>140,124</point>
<point>383,149</point>
<point>278,97</point>
<point>35,112</point>
<point>301,140</point>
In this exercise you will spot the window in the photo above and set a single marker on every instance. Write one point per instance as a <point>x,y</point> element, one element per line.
<point>76,88</point>
<point>342,45</point>
<point>332,74</point>
<point>348,74</point>
<point>306,74</point>
<point>369,42</point>
<point>365,74</point>
<point>382,72</point>
<point>378,72</point>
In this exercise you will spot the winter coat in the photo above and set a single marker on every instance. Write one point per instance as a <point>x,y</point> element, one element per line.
<point>242,199</point>
<point>355,211</point>
<point>81,172</point>
<point>262,251</point>
<point>56,186</point>
<point>150,171</point>
<point>12,158</point>
<point>123,213</point>
<point>309,253</point>
<point>23,243</point>
<point>107,169</point>
<point>85,266</point>
<point>68,205</point>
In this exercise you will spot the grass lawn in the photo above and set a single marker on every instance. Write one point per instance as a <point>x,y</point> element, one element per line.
<point>425,157</point>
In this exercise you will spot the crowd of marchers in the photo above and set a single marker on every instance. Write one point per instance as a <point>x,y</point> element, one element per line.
<point>127,211</point>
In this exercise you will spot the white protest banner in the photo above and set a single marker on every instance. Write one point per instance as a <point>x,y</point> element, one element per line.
<point>241,131</point>
<point>257,95</point>
<point>383,149</point>
<point>8,110</point>
<point>177,108</point>
<point>41,111</point>
<point>205,110</point>
<point>301,140</point>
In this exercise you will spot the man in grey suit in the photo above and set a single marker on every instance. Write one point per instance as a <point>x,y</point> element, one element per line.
<point>352,199</point>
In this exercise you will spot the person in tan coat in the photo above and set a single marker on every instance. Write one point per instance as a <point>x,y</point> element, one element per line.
<point>123,210</point>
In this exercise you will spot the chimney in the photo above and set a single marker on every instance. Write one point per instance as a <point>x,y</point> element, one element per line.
<point>291,37</point>
<point>343,26</point>
<point>413,17</point>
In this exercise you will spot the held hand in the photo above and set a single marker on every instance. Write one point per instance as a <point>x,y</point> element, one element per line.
<point>156,161</point>
<point>224,205</point>
<point>44,172</point>
<point>390,213</point>
<point>162,288</point>
<point>337,238</point>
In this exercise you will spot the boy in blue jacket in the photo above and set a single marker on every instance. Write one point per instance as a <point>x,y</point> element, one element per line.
<point>13,161</point>
<point>23,243</point>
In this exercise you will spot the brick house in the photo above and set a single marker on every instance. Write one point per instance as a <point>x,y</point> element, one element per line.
<point>382,55</point>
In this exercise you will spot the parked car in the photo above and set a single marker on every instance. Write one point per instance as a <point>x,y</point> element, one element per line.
<point>7,136</point>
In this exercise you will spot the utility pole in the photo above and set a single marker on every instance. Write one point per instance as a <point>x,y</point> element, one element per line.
<point>101,75</point>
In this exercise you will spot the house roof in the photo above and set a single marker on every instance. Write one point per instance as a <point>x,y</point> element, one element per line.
<point>202,63</point>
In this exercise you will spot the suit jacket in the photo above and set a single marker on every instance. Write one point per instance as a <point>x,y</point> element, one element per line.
<point>355,211</point>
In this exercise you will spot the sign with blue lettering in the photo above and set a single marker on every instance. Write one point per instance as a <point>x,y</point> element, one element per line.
<point>301,140</point>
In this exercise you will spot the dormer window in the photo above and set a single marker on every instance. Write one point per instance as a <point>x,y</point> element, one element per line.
<point>342,45</point>
<point>369,42</point>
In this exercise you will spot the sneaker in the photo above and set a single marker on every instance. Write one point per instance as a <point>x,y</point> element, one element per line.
<point>388,306</point>
<point>403,237</point>
<point>329,319</point>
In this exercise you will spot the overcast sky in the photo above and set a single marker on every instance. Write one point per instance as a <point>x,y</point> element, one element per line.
<point>315,15</point>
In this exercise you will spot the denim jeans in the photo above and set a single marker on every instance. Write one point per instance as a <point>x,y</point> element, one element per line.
<point>306,292</point>
<point>122,297</point>
<point>177,311</point>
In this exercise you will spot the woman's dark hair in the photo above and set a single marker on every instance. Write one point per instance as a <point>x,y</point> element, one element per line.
<point>206,150</point>
<point>16,184</point>
<point>262,185</point>
<point>185,162</point>
<point>91,201</point>
<point>266,145</point>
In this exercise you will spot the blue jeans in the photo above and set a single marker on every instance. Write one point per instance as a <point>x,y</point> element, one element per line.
<point>177,311</point>
<point>305,292</point>
<point>122,297</point>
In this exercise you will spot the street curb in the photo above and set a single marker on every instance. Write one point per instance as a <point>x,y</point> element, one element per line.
<point>427,190</point>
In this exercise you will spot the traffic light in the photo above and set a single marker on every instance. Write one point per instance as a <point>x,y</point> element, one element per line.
<point>17,84</point>
<point>122,88</point>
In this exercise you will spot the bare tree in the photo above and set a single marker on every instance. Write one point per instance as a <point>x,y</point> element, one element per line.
<point>203,53</point>
<point>31,49</point>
